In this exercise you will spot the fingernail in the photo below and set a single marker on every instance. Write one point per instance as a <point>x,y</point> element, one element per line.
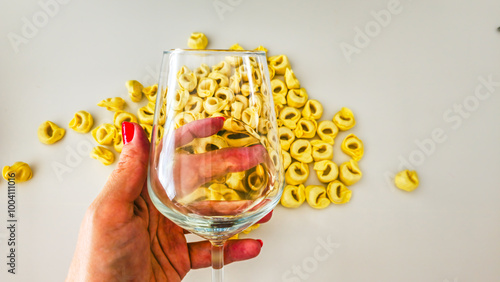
<point>261,243</point>
<point>127,132</point>
<point>223,118</point>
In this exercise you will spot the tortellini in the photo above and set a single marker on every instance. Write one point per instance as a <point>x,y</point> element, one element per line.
<point>211,143</point>
<point>278,87</point>
<point>194,104</point>
<point>150,92</point>
<point>287,159</point>
<point>235,181</point>
<point>321,150</point>
<point>183,118</point>
<point>316,196</point>
<point>250,228</point>
<point>213,105</point>
<point>148,130</point>
<point>312,110</point>
<point>104,134</point>
<point>236,46</point>
<point>247,91</point>
<point>184,69</point>
<point>188,81</point>
<point>327,131</point>
<point>197,40</point>
<point>338,193</point>
<point>353,147</point>
<point>272,72</point>
<point>112,104</point>
<point>291,81</point>
<point>105,156</point>
<point>290,116</point>
<point>349,172</point>
<point>344,119</point>
<point>146,113</point>
<point>306,128</point>
<point>250,116</point>
<point>82,122</point>
<point>220,192</point>
<point>180,100</point>
<point>221,79</point>
<point>50,133</point>
<point>297,173</point>
<point>326,170</point>
<point>223,67</point>
<point>21,171</point>
<point>239,139</point>
<point>279,63</point>
<point>406,180</point>
<point>257,179</point>
<point>121,117</point>
<point>202,71</point>
<point>118,141</point>
<point>134,88</point>
<point>207,87</point>
<point>225,94</point>
<point>261,48</point>
<point>293,196</point>
<point>235,83</point>
<point>301,150</point>
<point>297,98</point>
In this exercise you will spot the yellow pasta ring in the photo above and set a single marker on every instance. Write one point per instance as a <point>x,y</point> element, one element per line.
<point>105,156</point>
<point>316,196</point>
<point>297,173</point>
<point>82,122</point>
<point>344,119</point>
<point>121,117</point>
<point>50,133</point>
<point>353,147</point>
<point>349,172</point>
<point>293,196</point>
<point>20,171</point>
<point>338,193</point>
<point>112,104</point>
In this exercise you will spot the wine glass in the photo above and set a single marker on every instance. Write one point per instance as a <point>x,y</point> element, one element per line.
<point>215,163</point>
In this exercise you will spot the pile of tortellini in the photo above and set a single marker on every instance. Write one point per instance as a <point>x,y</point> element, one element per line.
<point>305,140</point>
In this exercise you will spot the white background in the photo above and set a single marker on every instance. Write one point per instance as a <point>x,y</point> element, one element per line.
<point>399,84</point>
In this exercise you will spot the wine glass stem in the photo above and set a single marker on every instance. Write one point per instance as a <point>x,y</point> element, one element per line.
<point>217,261</point>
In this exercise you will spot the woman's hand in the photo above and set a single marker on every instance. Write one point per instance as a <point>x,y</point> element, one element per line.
<point>124,238</point>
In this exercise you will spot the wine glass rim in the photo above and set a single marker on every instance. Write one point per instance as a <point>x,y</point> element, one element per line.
<point>214,51</point>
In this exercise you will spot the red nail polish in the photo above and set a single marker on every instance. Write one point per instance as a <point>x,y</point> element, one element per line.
<point>223,118</point>
<point>127,132</point>
<point>261,243</point>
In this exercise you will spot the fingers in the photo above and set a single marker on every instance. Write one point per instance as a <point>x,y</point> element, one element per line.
<point>198,129</point>
<point>127,180</point>
<point>191,171</point>
<point>266,218</point>
<point>234,250</point>
<point>215,208</point>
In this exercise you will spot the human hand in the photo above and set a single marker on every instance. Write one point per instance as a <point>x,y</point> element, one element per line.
<point>124,238</point>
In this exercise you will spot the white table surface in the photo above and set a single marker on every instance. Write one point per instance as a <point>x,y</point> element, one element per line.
<point>407,81</point>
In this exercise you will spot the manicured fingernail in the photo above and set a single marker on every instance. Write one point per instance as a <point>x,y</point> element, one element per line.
<point>127,132</point>
<point>261,243</point>
<point>223,118</point>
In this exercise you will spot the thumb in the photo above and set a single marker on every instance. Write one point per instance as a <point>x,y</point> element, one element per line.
<point>127,180</point>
